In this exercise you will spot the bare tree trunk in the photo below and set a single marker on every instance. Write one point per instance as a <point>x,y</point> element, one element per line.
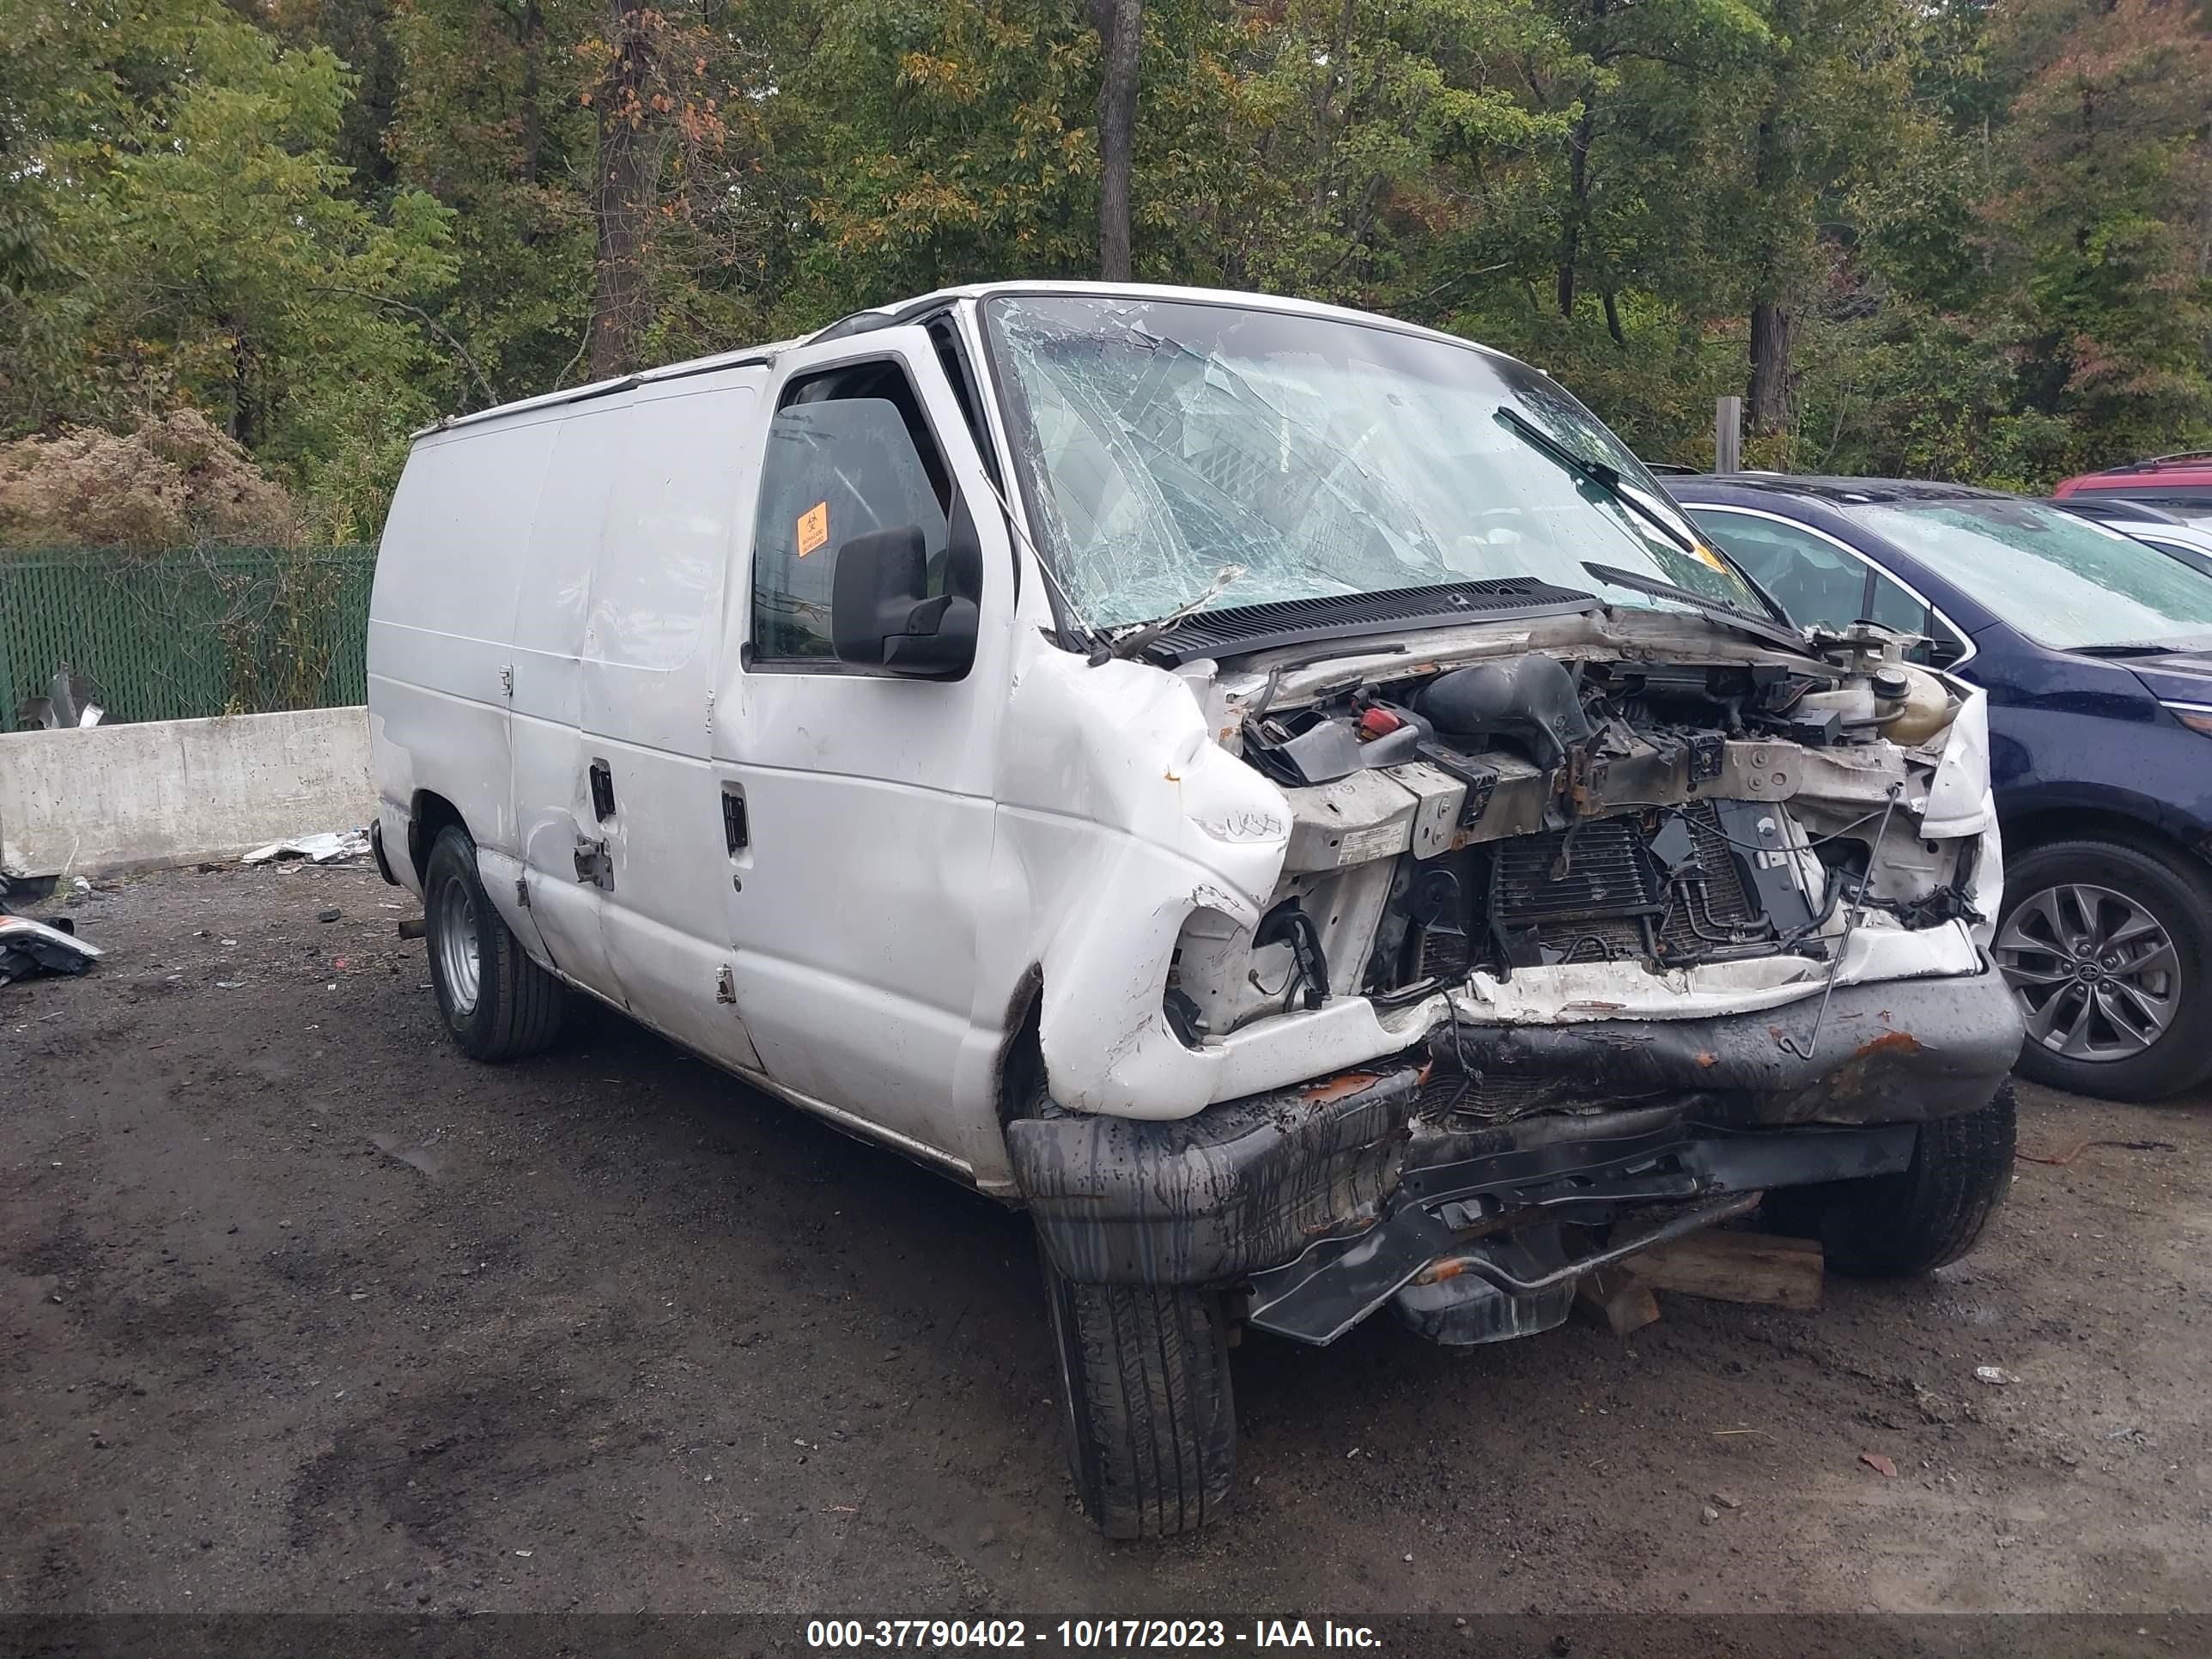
<point>245,422</point>
<point>1771,396</point>
<point>533,119</point>
<point>1121,27</point>
<point>623,192</point>
<point>1613,318</point>
<point>1570,246</point>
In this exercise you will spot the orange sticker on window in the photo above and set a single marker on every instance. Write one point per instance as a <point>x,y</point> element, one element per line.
<point>813,527</point>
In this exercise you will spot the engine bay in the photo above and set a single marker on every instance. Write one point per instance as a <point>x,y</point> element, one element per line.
<point>1540,809</point>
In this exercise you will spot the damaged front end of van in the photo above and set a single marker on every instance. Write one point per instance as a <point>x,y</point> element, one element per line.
<point>1499,887</point>
<point>1569,948</point>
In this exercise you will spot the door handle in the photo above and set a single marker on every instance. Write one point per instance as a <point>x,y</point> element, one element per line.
<point>603,791</point>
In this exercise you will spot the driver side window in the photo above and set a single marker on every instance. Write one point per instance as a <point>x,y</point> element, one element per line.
<point>848,454</point>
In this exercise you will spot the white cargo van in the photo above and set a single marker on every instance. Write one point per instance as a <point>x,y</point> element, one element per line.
<point>1282,794</point>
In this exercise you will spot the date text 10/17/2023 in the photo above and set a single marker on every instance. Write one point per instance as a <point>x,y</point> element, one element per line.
<point>1085,1635</point>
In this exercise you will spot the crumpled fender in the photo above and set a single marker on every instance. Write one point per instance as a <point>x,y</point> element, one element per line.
<point>1126,817</point>
<point>1959,803</point>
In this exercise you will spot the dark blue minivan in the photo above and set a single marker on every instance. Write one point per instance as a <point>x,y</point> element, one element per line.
<point>2096,652</point>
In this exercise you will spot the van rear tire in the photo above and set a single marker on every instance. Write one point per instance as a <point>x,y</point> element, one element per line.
<point>498,1004</point>
<point>1146,1403</point>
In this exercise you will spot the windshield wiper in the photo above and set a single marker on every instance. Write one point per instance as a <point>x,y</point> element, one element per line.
<point>1735,615</point>
<point>2143,648</point>
<point>1131,640</point>
<point>1606,478</point>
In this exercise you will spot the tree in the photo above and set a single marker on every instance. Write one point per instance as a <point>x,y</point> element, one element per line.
<point>216,256</point>
<point>1121,32</point>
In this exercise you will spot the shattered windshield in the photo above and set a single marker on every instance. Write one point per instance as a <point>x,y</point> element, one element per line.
<point>1173,447</point>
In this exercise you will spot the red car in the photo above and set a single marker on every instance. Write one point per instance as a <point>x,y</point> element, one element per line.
<point>2181,484</point>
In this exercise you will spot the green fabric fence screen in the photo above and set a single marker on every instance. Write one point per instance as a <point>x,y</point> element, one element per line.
<point>188,633</point>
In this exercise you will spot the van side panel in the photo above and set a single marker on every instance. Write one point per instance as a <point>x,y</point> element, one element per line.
<point>650,650</point>
<point>439,636</point>
<point>550,608</point>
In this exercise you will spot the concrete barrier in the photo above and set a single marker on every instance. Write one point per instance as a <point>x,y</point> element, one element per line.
<point>155,793</point>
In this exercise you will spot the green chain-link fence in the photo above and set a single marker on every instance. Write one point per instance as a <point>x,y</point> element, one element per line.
<point>194,632</point>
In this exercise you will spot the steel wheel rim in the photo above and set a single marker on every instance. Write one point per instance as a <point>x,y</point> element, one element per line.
<point>457,946</point>
<point>2096,974</point>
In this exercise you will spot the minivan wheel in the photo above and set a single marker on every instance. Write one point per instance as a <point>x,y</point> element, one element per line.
<point>1146,1403</point>
<point>1928,1214</point>
<point>498,1004</point>
<point>2105,944</point>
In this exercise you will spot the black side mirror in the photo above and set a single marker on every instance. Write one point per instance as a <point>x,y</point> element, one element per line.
<point>882,614</point>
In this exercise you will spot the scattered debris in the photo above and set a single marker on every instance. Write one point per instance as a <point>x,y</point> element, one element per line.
<point>330,915</point>
<point>1709,1515</point>
<point>1995,1375</point>
<point>326,848</point>
<point>1727,1501</point>
<point>1880,1464</point>
<point>71,701</point>
<point>28,947</point>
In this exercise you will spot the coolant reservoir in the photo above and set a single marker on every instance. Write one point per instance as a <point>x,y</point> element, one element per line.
<point>1923,708</point>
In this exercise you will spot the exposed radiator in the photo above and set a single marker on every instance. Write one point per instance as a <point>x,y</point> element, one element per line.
<point>1593,869</point>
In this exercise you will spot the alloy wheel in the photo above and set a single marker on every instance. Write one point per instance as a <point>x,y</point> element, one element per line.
<point>2096,974</point>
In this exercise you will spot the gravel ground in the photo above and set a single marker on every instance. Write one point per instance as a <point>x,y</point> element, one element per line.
<point>306,1311</point>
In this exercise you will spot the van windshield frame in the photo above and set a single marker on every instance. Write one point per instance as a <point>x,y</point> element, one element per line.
<point>1168,447</point>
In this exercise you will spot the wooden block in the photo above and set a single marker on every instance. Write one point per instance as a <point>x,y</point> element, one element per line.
<point>1624,1301</point>
<point>1783,1272</point>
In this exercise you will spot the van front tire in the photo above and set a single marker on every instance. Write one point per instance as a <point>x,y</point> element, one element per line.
<point>498,1004</point>
<point>1146,1403</point>
<point>1926,1215</point>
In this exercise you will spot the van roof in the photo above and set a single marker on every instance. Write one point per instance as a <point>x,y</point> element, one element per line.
<point>862,322</point>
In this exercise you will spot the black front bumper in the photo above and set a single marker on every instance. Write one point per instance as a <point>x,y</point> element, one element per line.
<point>1328,1199</point>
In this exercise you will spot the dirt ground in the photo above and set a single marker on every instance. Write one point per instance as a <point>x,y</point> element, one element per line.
<point>303,1310</point>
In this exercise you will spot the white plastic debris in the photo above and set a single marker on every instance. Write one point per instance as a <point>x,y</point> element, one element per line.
<point>1995,1375</point>
<point>28,947</point>
<point>326,848</point>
